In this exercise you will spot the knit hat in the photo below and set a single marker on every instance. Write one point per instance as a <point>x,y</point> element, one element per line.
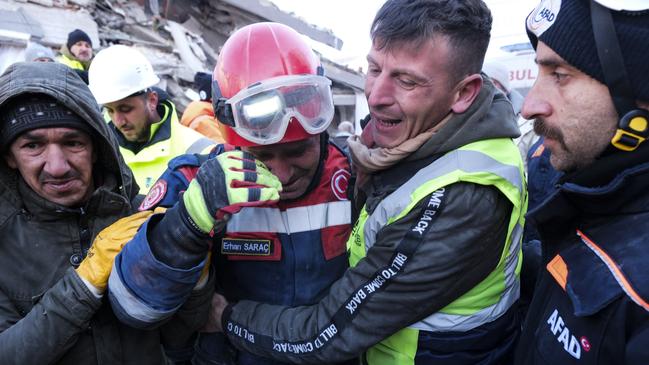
<point>565,26</point>
<point>203,82</point>
<point>33,111</point>
<point>76,36</point>
<point>35,51</point>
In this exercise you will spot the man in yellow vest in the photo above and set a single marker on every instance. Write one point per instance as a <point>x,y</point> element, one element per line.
<point>76,53</point>
<point>143,118</point>
<point>435,253</point>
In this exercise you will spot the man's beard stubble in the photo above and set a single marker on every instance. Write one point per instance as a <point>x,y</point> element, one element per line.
<point>544,130</point>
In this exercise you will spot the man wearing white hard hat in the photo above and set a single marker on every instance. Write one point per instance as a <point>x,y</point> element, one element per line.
<point>142,116</point>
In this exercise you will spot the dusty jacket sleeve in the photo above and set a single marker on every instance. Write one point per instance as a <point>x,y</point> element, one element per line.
<point>178,335</point>
<point>144,290</point>
<point>51,327</point>
<point>406,276</point>
<point>153,277</point>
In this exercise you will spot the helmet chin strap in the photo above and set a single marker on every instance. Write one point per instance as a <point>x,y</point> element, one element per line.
<point>633,125</point>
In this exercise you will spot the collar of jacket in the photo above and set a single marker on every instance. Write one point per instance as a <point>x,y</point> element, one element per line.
<point>160,131</point>
<point>613,185</point>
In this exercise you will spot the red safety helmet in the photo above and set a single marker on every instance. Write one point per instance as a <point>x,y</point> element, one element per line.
<point>269,87</point>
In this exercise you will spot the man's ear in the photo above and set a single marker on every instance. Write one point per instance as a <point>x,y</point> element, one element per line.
<point>152,100</point>
<point>10,160</point>
<point>466,92</point>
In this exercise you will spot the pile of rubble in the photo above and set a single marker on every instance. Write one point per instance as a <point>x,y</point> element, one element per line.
<point>179,37</point>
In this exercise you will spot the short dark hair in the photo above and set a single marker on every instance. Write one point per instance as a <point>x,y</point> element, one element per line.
<point>465,23</point>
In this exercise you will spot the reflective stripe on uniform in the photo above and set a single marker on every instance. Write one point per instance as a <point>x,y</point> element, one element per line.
<point>615,270</point>
<point>200,145</point>
<point>446,322</point>
<point>491,163</point>
<point>465,160</point>
<point>132,305</point>
<point>291,220</point>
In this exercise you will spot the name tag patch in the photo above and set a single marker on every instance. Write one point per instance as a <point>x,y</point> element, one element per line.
<point>246,247</point>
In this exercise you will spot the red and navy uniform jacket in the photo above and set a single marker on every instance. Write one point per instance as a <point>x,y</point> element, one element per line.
<point>288,254</point>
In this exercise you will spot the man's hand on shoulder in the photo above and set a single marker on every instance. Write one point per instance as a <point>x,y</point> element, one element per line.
<point>214,319</point>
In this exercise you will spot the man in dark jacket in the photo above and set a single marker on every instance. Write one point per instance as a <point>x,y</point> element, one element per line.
<point>591,104</point>
<point>62,180</point>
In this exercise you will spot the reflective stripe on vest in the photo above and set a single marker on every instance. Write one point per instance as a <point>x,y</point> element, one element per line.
<point>495,162</point>
<point>200,145</point>
<point>292,220</point>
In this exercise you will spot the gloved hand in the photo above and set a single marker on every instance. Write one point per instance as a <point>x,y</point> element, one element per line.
<point>96,267</point>
<point>227,183</point>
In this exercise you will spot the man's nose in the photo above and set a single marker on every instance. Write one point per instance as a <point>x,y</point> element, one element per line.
<point>57,163</point>
<point>118,119</point>
<point>379,91</point>
<point>281,169</point>
<point>535,105</point>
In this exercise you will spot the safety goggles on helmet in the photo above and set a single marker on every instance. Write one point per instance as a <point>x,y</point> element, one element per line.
<point>262,112</point>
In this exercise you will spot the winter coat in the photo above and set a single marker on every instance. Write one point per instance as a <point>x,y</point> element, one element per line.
<point>47,314</point>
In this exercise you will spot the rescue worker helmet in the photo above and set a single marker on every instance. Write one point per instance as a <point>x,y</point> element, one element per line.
<point>269,87</point>
<point>118,72</point>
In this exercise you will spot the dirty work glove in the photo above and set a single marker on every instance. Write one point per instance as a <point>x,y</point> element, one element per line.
<point>95,268</point>
<point>224,185</point>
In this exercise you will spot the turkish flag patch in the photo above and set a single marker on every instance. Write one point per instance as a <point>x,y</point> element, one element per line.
<point>155,195</point>
<point>340,184</point>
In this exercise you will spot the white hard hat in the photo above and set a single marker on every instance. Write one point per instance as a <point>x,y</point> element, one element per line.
<point>118,72</point>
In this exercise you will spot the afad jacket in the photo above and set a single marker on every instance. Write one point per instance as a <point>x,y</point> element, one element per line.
<point>47,314</point>
<point>591,301</point>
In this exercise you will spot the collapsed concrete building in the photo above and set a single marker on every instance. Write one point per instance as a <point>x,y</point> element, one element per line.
<point>179,37</point>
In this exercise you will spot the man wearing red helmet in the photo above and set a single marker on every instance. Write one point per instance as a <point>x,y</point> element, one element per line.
<point>277,238</point>
<point>436,248</point>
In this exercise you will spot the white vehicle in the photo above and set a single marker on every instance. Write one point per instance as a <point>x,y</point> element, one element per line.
<point>519,60</point>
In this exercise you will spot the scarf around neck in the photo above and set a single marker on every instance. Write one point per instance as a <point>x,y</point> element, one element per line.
<point>369,159</point>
